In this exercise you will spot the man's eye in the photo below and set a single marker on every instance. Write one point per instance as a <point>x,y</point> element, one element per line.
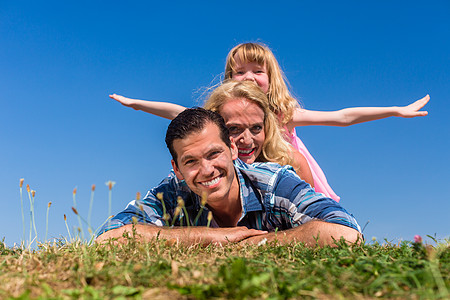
<point>189,162</point>
<point>214,154</point>
<point>233,129</point>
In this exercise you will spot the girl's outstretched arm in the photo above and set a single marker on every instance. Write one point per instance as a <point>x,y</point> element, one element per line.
<point>355,115</point>
<point>162,109</point>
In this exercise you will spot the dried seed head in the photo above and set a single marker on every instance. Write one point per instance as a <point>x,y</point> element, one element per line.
<point>90,230</point>
<point>28,188</point>
<point>204,198</point>
<point>33,192</point>
<point>177,211</point>
<point>159,196</point>
<point>65,218</point>
<point>75,210</point>
<point>210,216</point>
<point>134,220</point>
<point>21,182</point>
<point>49,204</point>
<point>138,196</point>
<point>166,217</point>
<point>110,184</point>
<point>180,201</point>
<point>74,191</point>
<point>141,207</point>
<point>93,187</point>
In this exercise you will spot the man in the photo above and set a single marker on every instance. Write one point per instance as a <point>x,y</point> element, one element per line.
<point>244,203</point>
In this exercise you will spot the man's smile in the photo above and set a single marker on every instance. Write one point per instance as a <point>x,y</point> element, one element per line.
<point>211,183</point>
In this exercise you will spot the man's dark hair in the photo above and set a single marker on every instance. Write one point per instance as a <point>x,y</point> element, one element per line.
<point>194,120</point>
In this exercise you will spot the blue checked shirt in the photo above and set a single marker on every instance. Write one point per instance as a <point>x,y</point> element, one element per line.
<point>272,197</point>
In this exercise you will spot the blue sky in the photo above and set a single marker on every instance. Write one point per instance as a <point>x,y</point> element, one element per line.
<point>59,130</point>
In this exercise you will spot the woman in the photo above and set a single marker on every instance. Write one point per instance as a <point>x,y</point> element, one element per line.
<point>254,127</point>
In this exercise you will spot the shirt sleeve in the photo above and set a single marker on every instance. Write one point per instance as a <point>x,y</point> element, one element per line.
<point>298,201</point>
<point>149,210</point>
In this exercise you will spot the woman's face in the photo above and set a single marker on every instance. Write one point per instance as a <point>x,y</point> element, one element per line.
<point>245,121</point>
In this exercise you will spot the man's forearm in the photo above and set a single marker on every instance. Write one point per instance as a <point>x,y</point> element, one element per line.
<point>313,233</point>
<point>184,235</point>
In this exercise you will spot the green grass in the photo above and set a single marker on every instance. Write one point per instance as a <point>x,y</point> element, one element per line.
<point>155,270</point>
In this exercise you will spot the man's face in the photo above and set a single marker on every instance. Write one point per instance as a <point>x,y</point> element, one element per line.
<point>206,164</point>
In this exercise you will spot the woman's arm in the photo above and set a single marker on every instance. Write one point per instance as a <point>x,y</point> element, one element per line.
<point>302,169</point>
<point>355,115</point>
<point>162,109</point>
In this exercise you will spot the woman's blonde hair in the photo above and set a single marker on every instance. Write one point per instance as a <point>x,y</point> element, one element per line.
<point>280,99</point>
<point>275,148</point>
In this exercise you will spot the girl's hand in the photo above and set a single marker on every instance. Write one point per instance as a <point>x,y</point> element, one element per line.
<point>414,109</point>
<point>123,100</point>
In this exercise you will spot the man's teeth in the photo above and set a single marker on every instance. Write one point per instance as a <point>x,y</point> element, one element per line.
<point>245,151</point>
<point>209,183</point>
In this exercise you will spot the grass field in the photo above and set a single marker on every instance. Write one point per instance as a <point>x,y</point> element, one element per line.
<point>72,270</point>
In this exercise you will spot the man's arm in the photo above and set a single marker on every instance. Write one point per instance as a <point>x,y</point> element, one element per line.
<point>311,234</point>
<point>183,235</point>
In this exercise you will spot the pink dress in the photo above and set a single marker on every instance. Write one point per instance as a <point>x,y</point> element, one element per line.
<point>320,181</point>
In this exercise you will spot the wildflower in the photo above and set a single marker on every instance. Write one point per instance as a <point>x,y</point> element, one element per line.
<point>65,217</point>
<point>159,196</point>
<point>204,198</point>
<point>21,182</point>
<point>177,212</point>
<point>110,184</point>
<point>210,216</point>
<point>93,187</point>
<point>33,192</point>
<point>134,220</point>
<point>166,217</point>
<point>49,204</point>
<point>417,239</point>
<point>74,191</point>
<point>138,196</point>
<point>28,188</point>
<point>180,201</point>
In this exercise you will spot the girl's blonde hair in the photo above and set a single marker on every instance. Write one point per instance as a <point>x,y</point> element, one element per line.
<point>280,99</point>
<point>275,148</point>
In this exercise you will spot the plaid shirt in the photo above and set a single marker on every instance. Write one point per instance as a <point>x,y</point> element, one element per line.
<point>272,197</point>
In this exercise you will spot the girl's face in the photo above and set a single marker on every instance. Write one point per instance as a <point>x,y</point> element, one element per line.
<point>251,71</point>
<point>245,121</point>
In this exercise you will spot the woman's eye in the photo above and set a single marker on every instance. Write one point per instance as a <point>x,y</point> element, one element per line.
<point>256,129</point>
